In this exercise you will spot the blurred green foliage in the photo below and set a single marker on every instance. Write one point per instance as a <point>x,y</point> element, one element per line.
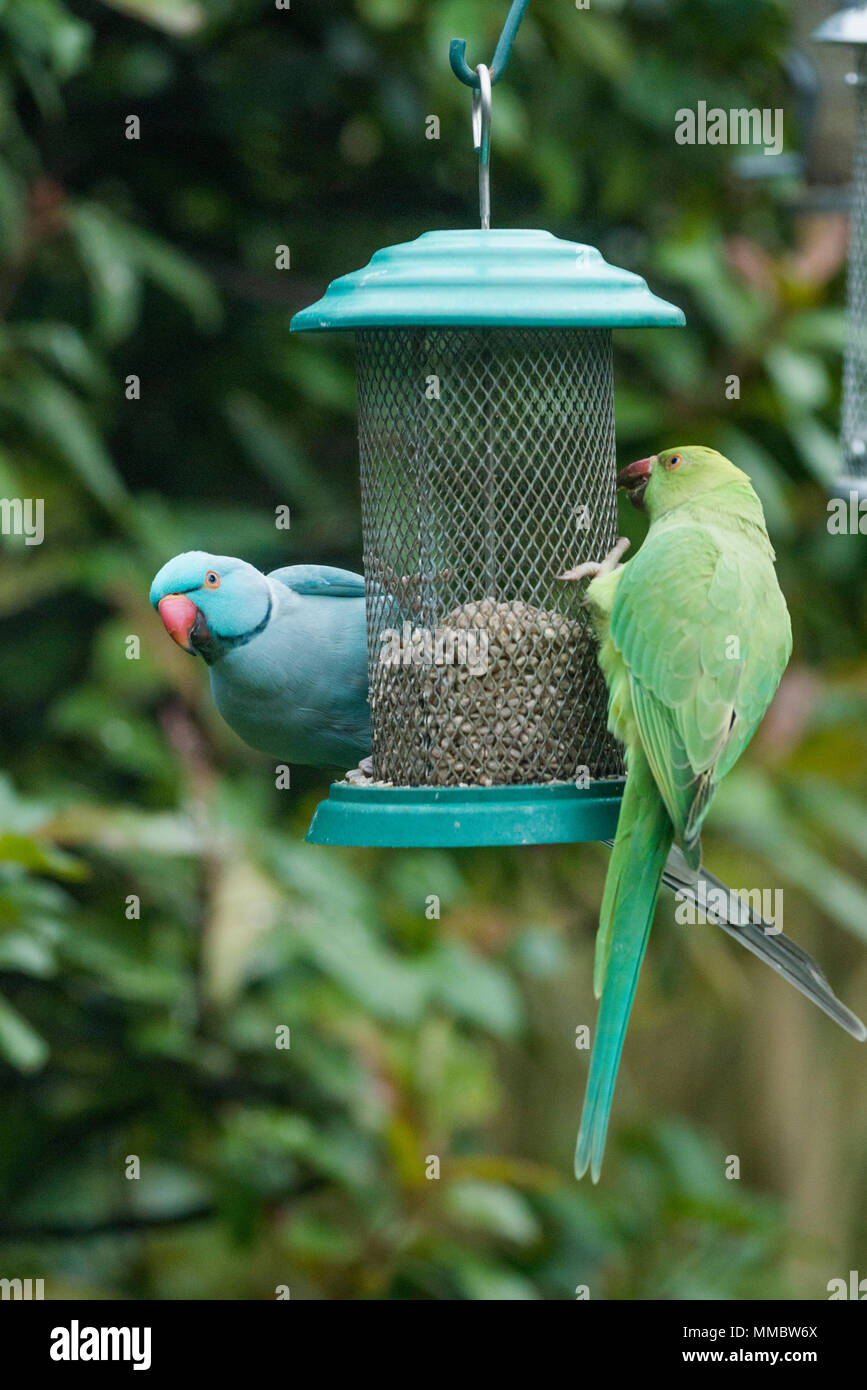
<point>154,1034</point>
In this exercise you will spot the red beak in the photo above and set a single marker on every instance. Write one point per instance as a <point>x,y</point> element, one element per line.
<point>635,477</point>
<point>179,613</point>
<point>635,472</point>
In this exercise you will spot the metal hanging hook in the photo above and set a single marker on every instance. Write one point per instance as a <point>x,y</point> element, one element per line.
<point>482,141</point>
<point>502,54</point>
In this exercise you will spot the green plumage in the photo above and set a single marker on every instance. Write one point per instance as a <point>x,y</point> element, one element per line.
<point>644,836</point>
<point>694,637</point>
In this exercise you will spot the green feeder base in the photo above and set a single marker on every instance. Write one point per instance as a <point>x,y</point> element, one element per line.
<point>440,817</point>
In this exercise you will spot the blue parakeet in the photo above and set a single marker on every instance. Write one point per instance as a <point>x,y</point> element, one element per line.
<point>287,651</point>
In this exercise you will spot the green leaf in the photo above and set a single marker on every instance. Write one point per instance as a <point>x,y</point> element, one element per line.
<point>348,951</point>
<point>322,378</point>
<point>799,377</point>
<point>20,1044</point>
<point>384,14</point>
<point>843,815</point>
<point>55,416</point>
<point>736,313</point>
<point>120,830</point>
<point>13,213</point>
<point>492,1207</point>
<point>819,329</point>
<point>124,738</point>
<point>485,1281</point>
<point>764,474</point>
<point>540,952</point>
<point>818,447</point>
<point>754,815</point>
<point>47,43</point>
<point>113,276</point>
<point>118,254</point>
<point>275,451</point>
<point>177,275</point>
<point>125,974</point>
<point>166,527</point>
<point>38,856</point>
<point>474,989</point>
<point>412,877</point>
<point>178,17</point>
<point>62,346</point>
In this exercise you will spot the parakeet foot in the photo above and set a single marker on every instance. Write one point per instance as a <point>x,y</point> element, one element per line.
<point>591,569</point>
<point>362,773</point>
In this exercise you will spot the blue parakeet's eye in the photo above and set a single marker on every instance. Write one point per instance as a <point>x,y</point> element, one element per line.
<point>674,462</point>
<point>212,580</point>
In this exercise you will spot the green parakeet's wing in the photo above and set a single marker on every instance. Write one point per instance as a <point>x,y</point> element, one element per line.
<point>703,631</point>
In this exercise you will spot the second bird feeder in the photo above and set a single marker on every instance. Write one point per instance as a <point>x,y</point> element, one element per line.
<point>486,432</point>
<point>849,26</point>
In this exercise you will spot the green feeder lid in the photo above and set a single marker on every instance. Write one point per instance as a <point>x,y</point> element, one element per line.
<point>478,279</point>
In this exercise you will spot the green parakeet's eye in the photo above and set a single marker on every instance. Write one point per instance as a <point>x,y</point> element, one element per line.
<point>674,462</point>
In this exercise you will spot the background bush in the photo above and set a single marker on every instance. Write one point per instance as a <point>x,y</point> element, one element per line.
<point>155,1036</point>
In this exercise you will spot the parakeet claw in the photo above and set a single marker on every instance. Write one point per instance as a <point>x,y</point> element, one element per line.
<point>362,773</point>
<point>588,570</point>
<point>591,569</point>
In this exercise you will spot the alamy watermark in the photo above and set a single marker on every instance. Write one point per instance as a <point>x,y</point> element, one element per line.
<point>23,516</point>
<point>709,904</point>
<point>738,126</point>
<point>847,516</point>
<point>77,1343</point>
<point>25,1289</point>
<point>440,646</point>
<point>853,1287</point>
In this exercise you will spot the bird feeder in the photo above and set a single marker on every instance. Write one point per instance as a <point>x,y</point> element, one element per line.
<point>486,433</point>
<point>849,26</point>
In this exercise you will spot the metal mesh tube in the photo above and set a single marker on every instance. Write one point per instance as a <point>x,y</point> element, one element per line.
<point>487,467</point>
<point>854,428</point>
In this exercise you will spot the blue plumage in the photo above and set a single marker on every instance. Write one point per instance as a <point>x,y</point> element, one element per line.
<point>287,651</point>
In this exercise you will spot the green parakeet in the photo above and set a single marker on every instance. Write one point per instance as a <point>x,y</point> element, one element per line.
<point>694,636</point>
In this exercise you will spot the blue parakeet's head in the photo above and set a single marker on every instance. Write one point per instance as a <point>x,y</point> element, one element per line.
<point>211,603</point>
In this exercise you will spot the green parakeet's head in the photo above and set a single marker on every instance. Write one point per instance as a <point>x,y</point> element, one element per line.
<point>669,479</point>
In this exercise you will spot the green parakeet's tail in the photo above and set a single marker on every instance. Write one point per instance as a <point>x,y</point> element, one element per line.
<point>644,837</point>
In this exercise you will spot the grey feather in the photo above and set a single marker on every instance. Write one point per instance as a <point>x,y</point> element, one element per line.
<point>774,948</point>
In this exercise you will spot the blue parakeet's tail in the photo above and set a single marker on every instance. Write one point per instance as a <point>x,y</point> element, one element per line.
<point>644,837</point>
